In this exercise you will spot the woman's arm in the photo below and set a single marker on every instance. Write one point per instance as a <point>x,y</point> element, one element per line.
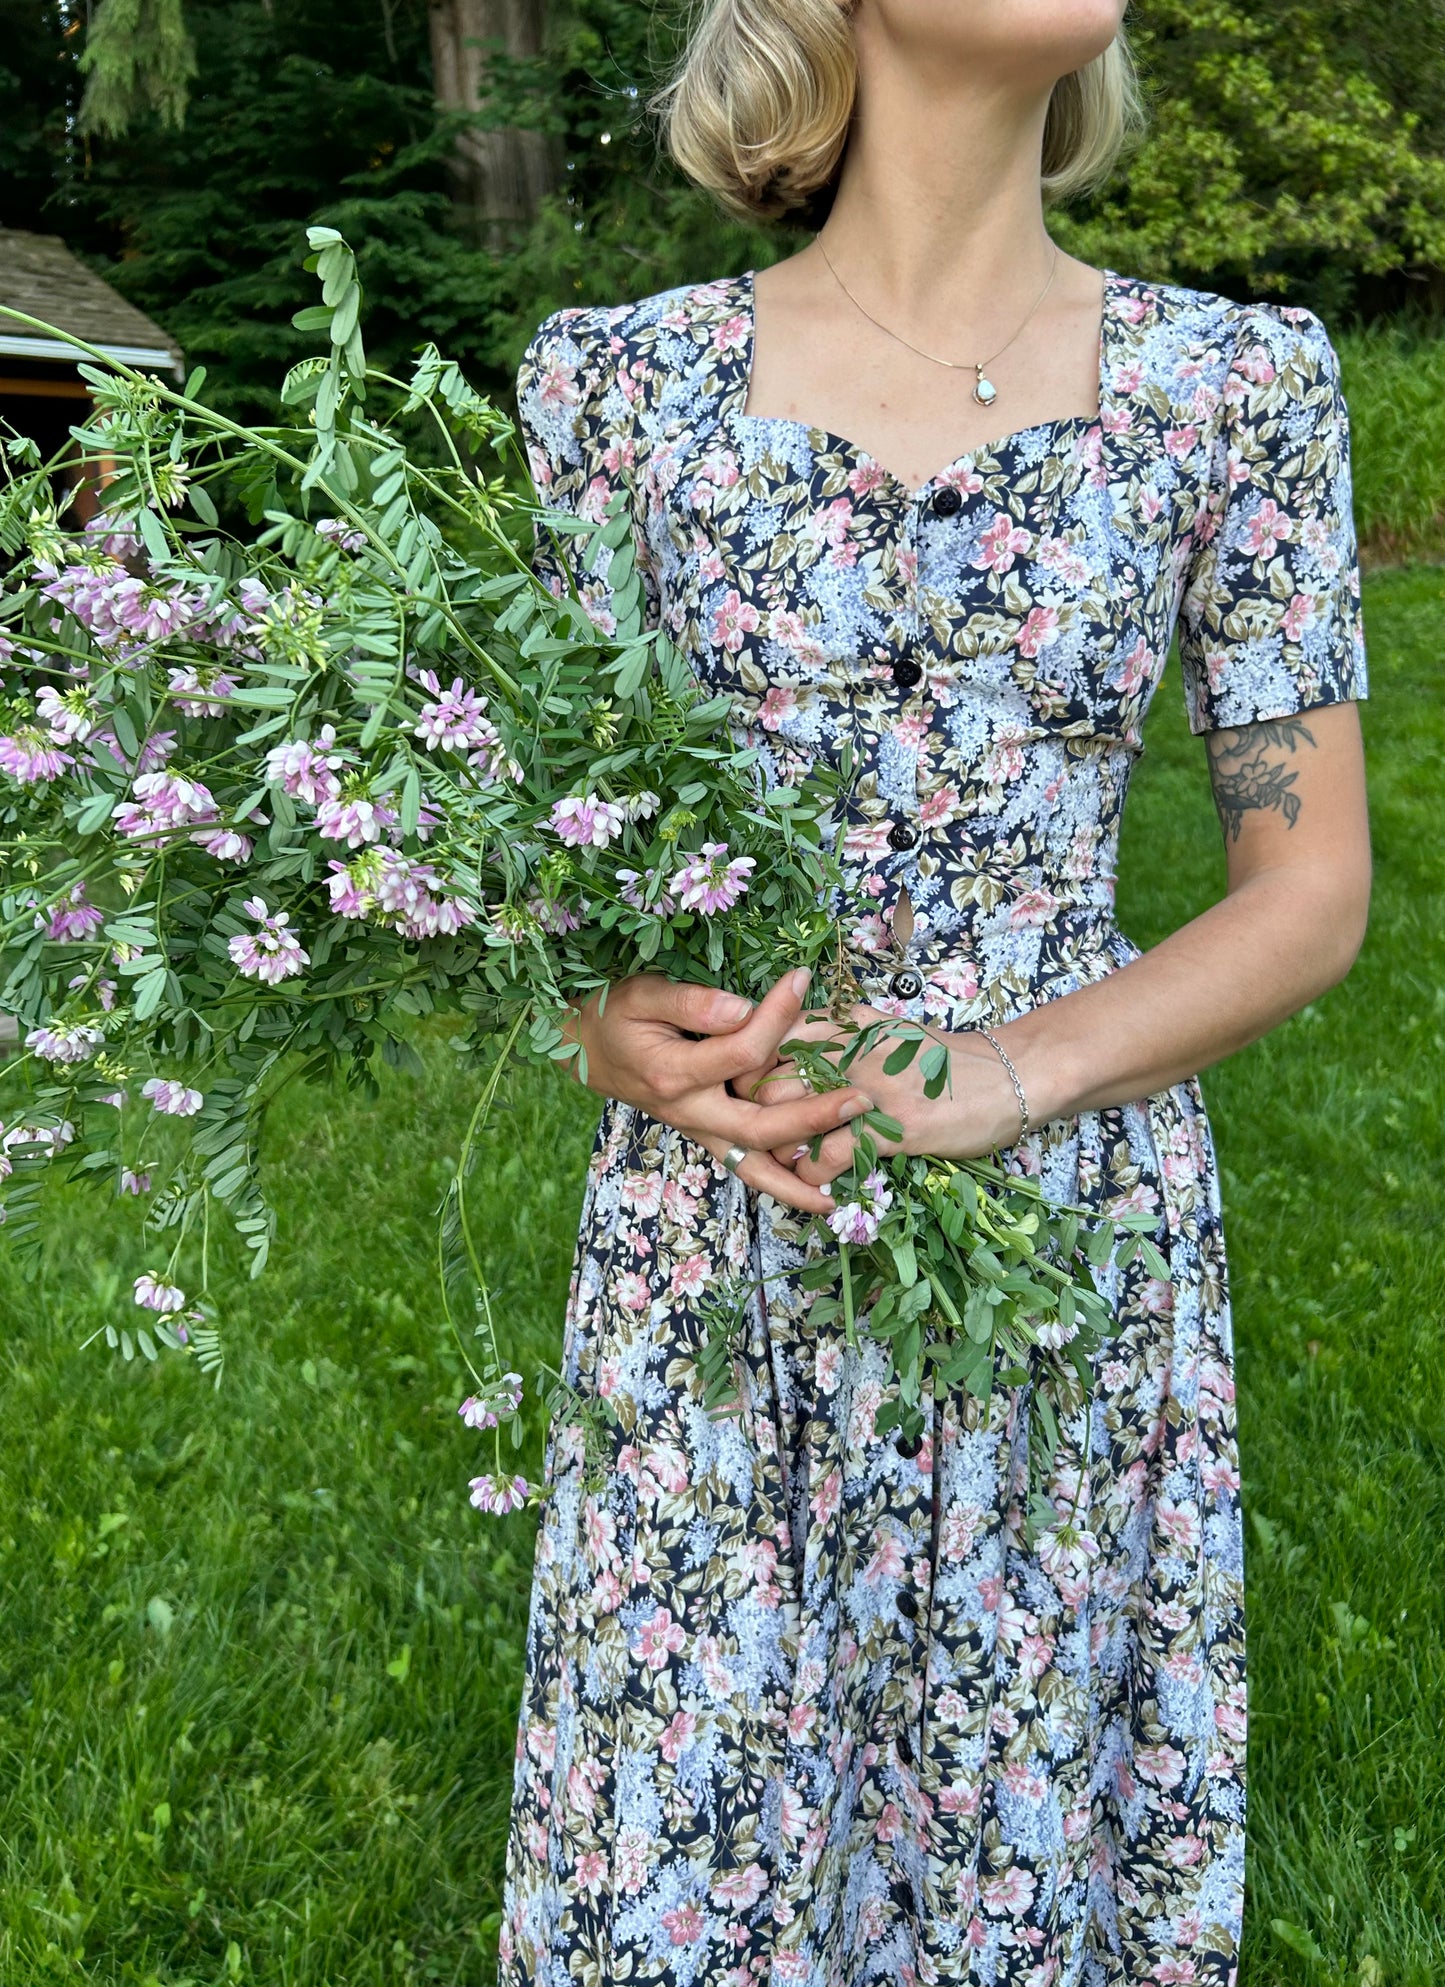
<point>1291,800</point>
<point>1290,793</point>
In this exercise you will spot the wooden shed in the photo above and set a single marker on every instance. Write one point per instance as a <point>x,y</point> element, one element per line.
<point>41,391</point>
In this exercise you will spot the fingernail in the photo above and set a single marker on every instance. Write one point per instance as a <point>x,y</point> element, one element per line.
<point>802,980</point>
<point>826,1189</point>
<point>731,1007</point>
<point>802,1149</point>
<point>854,1108</point>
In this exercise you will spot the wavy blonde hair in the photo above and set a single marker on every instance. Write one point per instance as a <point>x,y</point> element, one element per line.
<point>758,106</point>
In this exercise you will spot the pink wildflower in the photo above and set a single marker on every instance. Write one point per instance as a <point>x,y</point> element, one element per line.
<point>713,881</point>
<point>162,802</point>
<point>553,918</point>
<point>355,821</point>
<point>225,844</point>
<point>114,535</point>
<point>54,1136</point>
<point>584,821</point>
<point>305,770</point>
<point>198,696</point>
<point>500,1498</point>
<point>171,1098</point>
<point>134,1183</point>
<point>271,954</point>
<point>340,533</point>
<point>157,1295</point>
<point>634,887</point>
<point>486,1409</point>
<point>454,719</point>
<point>65,1042</point>
<point>71,916</point>
<point>857,1221</point>
<point>67,712</point>
<point>29,754</point>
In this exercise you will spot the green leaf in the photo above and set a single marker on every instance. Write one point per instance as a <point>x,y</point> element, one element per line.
<point>1153,1261</point>
<point>153,532</point>
<point>1296,1938</point>
<point>267,697</point>
<point>900,1058</point>
<point>149,989</point>
<point>95,813</point>
<point>410,800</point>
<point>201,504</point>
<point>315,317</point>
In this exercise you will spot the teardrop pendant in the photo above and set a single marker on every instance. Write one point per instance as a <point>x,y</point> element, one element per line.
<point>985,393</point>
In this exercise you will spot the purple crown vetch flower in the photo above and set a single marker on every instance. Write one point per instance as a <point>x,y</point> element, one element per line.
<point>584,821</point>
<point>271,954</point>
<point>713,881</point>
<point>858,1221</point>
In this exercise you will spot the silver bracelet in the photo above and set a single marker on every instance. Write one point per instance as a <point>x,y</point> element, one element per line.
<point>1013,1075</point>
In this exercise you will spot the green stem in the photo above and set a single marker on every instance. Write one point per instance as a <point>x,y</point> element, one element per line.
<point>478,1122</point>
<point>257,438</point>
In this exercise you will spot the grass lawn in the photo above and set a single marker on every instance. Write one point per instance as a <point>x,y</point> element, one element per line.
<point>260,1661</point>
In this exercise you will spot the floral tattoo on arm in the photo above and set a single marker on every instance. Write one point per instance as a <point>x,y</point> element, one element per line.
<point>1249,769</point>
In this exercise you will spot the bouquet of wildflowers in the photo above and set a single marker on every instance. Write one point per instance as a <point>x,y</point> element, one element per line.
<point>295,747</point>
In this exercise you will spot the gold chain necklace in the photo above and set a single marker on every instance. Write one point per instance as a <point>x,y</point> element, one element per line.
<point>984,391</point>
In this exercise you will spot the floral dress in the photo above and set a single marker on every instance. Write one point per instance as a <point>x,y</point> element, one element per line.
<point>799,1707</point>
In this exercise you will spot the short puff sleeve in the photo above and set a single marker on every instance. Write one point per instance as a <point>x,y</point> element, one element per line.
<point>575,426</point>
<point>1269,616</point>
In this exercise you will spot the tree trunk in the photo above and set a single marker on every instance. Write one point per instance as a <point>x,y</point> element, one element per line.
<point>501,175</point>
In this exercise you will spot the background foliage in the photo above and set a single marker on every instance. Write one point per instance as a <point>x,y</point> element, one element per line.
<point>1295,150</point>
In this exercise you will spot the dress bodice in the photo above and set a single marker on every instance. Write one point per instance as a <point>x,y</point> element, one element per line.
<point>987,645</point>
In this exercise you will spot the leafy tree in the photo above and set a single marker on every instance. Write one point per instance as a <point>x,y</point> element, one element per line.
<point>138,56</point>
<point>1283,154</point>
<point>1295,150</point>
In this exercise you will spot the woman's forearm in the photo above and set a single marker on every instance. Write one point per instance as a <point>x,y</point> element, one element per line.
<point>1216,984</point>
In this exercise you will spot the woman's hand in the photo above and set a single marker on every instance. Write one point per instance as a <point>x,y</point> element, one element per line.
<point>976,1114</point>
<point>640,1050</point>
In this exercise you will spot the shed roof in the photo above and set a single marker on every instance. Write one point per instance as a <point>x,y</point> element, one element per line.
<point>40,276</point>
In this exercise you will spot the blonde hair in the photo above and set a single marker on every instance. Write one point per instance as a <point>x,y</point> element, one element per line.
<point>758,106</point>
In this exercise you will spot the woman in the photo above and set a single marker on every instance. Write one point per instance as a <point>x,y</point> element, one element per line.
<point>800,1705</point>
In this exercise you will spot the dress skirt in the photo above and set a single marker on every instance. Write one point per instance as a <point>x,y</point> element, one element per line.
<point>799,1708</point>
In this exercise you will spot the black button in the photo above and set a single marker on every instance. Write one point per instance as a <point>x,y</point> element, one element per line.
<point>906,674</point>
<point>906,985</point>
<point>902,1893</point>
<point>908,1604</point>
<point>902,835</point>
<point>946,501</point>
<point>905,1753</point>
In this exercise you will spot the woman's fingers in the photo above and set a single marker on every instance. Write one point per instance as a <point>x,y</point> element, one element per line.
<point>763,1127</point>
<point>835,1156</point>
<point>764,1175</point>
<point>779,1085</point>
<point>752,1046</point>
<point>686,1004</point>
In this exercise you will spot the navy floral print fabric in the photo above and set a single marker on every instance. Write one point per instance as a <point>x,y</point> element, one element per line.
<point>799,1708</point>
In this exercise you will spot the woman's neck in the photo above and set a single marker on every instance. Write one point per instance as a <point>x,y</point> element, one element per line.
<point>938,212</point>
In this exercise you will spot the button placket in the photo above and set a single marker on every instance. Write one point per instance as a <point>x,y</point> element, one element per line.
<point>905,833</point>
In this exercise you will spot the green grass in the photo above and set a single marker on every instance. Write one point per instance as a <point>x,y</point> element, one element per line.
<point>260,1661</point>
<point>1394,381</point>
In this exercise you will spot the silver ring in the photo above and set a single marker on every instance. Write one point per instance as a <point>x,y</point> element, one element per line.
<point>734,1157</point>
